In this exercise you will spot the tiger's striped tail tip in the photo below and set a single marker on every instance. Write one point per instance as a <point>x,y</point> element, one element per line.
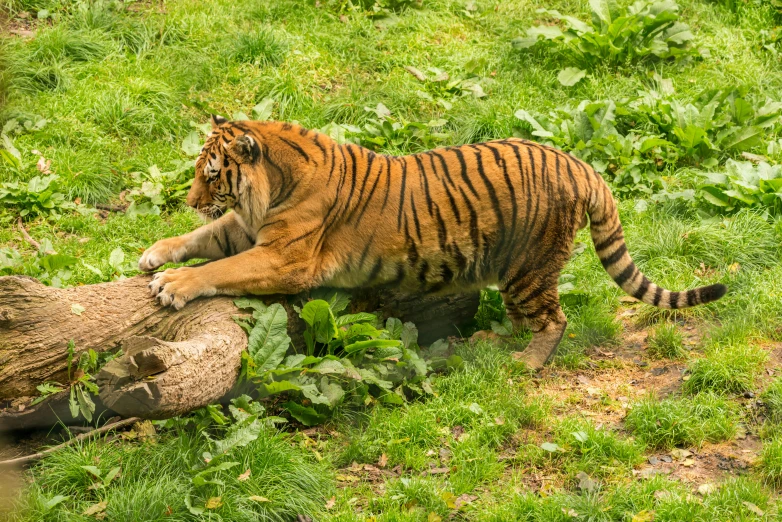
<point>712,292</point>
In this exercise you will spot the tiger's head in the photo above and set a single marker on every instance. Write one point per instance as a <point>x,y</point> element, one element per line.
<point>223,169</point>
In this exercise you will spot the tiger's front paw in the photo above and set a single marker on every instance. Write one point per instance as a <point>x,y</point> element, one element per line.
<point>177,286</point>
<point>164,251</point>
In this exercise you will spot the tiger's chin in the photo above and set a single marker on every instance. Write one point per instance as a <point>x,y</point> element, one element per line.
<point>211,212</point>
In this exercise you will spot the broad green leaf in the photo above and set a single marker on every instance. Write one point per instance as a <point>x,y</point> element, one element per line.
<point>247,302</point>
<point>49,504</point>
<point>391,398</point>
<point>550,447</point>
<point>200,478</point>
<point>276,387</point>
<point>743,139</point>
<point>539,130</point>
<point>269,341</point>
<point>329,366</point>
<point>191,145</point>
<point>571,76</point>
<point>96,472</point>
<point>371,343</point>
<point>86,406</point>
<point>318,315</point>
<point>580,436</point>
<point>332,391</point>
<point>312,392</point>
<point>361,317</point>
<point>116,258</point>
<point>263,111</point>
<point>239,435</point>
<point>54,262</point>
<point>409,336</point>
<point>394,328</point>
<point>304,414</point>
<point>548,32</point>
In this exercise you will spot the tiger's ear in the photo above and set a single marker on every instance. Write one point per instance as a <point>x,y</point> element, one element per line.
<point>245,149</point>
<point>217,121</point>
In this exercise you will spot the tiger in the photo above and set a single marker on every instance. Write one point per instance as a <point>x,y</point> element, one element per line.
<point>289,209</point>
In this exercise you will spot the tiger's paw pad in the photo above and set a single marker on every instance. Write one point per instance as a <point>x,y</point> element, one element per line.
<point>177,286</point>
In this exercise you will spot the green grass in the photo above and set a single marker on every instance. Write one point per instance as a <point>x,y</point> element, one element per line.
<point>121,85</point>
<point>666,342</point>
<point>683,422</point>
<point>729,367</point>
<point>155,476</point>
<point>771,462</point>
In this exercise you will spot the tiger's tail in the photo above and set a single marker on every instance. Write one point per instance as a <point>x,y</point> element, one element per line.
<point>609,241</point>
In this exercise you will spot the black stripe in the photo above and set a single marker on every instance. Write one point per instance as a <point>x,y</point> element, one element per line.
<point>368,198</point>
<point>692,297</point>
<point>296,147</point>
<point>320,146</point>
<point>422,174</point>
<point>474,232</point>
<point>402,193</point>
<point>658,294</point>
<point>447,273</point>
<point>673,300</point>
<point>616,235</point>
<point>388,182</point>
<point>448,193</point>
<point>465,177</point>
<point>626,274</point>
<point>353,175</point>
<point>415,217</point>
<point>367,173</point>
<point>446,170</point>
<point>442,233</point>
<point>615,257</point>
<point>400,274</point>
<point>423,271</point>
<point>376,268</point>
<point>333,164</point>
<point>641,292</point>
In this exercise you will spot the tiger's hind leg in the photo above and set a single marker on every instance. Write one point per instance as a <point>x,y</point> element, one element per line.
<point>536,306</point>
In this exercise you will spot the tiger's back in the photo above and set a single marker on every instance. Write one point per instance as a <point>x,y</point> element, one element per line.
<point>310,212</point>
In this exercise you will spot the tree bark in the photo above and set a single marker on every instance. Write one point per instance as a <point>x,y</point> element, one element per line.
<point>172,361</point>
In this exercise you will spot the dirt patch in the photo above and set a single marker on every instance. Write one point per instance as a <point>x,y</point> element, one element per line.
<point>711,464</point>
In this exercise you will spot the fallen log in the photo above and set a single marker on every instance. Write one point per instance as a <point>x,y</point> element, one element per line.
<point>172,361</point>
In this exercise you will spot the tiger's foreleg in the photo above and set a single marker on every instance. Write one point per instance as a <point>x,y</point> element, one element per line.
<point>260,270</point>
<point>221,238</point>
<point>533,302</point>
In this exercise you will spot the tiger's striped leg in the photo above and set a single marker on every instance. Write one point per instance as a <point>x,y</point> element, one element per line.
<point>221,238</point>
<point>537,308</point>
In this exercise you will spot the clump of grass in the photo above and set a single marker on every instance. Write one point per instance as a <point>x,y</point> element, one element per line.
<point>666,342</point>
<point>260,47</point>
<point>771,461</point>
<point>772,400</point>
<point>154,479</point>
<point>727,368</point>
<point>60,43</point>
<point>687,421</point>
<point>598,452</point>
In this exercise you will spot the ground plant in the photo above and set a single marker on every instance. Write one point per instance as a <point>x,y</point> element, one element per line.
<point>644,414</point>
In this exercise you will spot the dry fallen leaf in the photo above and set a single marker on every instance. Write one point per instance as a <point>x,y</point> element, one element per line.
<point>705,489</point>
<point>244,476</point>
<point>680,454</point>
<point>347,478</point>
<point>752,507</point>
<point>95,509</point>
<point>256,498</point>
<point>382,461</point>
<point>330,503</point>
<point>688,462</point>
<point>214,503</point>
